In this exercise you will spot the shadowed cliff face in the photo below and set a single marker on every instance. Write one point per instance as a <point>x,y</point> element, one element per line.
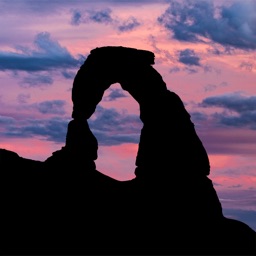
<point>65,205</point>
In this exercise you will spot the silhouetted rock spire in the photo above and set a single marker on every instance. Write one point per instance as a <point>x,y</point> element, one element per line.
<point>169,141</point>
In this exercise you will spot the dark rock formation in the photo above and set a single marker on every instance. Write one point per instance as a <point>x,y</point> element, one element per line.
<point>64,205</point>
<point>103,67</point>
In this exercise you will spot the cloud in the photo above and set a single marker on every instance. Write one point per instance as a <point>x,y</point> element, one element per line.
<point>113,128</point>
<point>129,24</point>
<point>115,94</point>
<point>235,186</point>
<point>6,120</point>
<point>239,111</point>
<point>51,107</point>
<point>200,21</point>
<point>189,57</point>
<point>109,126</point>
<point>98,16</point>
<point>104,16</point>
<point>242,197</point>
<point>218,49</point>
<point>68,75</point>
<point>48,107</point>
<point>247,119</point>
<point>198,117</point>
<point>53,129</point>
<point>190,70</point>
<point>222,139</point>
<point>162,54</point>
<point>76,17</point>
<point>48,7</point>
<point>249,66</point>
<point>36,80</point>
<point>174,70</point>
<point>23,98</point>
<point>234,101</point>
<point>108,119</point>
<point>226,124</point>
<point>48,55</point>
<point>105,139</point>
<point>216,184</point>
<point>212,87</point>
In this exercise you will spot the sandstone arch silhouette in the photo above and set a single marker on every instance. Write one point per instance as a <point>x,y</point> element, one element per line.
<point>132,69</point>
<point>108,65</point>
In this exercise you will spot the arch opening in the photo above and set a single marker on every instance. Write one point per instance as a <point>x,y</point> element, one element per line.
<point>116,126</point>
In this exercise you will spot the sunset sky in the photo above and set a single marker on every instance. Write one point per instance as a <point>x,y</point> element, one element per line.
<point>204,50</point>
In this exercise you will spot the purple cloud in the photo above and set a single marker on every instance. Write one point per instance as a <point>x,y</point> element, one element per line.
<point>189,57</point>
<point>76,17</point>
<point>115,94</point>
<point>109,126</point>
<point>23,98</point>
<point>114,128</point>
<point>104,16</point>
<point>234,102</point>
<point>51,107</point>
<point>128,25</point>
<point>36,80</point>
<point>48,55</point>
<point>196,21</point>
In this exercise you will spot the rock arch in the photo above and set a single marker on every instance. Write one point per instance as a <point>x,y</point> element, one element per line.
<point>130,67</point>
<point>166,121</point>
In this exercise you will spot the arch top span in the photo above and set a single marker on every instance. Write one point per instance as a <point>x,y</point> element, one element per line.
<point>130,67</point>
<point>123,55</point>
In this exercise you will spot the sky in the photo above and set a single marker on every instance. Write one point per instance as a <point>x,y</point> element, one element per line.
<point>204,50</point>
